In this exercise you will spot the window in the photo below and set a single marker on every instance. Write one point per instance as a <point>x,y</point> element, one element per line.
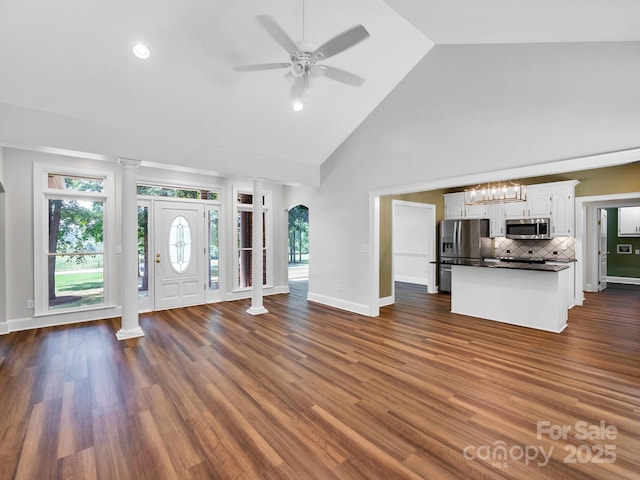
<point>72,264</point>
<point>244,240</point>
<point>75,255</point>
<point>214,249</point>
<point>180,244</point>
<point>177,192</point>
<point>143,250</point>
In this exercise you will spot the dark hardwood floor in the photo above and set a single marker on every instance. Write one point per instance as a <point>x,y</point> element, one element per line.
<point>308,392</point>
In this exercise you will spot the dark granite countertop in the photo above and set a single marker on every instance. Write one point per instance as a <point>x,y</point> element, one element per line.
<point>540,267</point>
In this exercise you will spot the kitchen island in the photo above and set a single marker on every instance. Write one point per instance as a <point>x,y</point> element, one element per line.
<point>528,295</point>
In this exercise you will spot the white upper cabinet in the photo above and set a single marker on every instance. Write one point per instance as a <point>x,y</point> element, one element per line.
<point>453,205</point>
<point>455,208</point>
<point>563,214</point>
<point>546,200</point>
<point>629,222</point>
<point>539,201</point>
<point>476,211</point>
<point>515,210</point>
<point>497,220</point>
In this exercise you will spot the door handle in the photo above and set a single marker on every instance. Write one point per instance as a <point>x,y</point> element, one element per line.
<point>157,258</point>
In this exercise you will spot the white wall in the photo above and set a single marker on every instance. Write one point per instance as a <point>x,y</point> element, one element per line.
<point>18,166</point>
<point>3,229</point>
<point>24,127</point>
<point>464,110</point>
<point>19,232</point>
<point>17,171</point>
<point>1,169</point>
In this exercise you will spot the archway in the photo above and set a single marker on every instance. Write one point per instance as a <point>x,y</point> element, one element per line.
<point>298,249</point>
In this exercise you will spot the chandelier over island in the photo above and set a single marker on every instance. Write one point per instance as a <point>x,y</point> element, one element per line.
<point>499,192</point>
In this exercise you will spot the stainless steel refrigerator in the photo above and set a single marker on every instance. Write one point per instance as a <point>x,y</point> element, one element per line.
<point>462,241</point>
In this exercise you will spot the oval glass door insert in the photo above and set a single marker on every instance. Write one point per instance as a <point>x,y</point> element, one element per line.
<point>180,244</point>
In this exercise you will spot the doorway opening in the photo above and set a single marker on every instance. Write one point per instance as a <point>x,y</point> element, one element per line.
<point>179,247</point>
<point>298,252</point>
<point>413,240</point>
<point>593,268</point>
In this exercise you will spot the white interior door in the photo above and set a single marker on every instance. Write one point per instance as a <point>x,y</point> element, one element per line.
<point>179,255</point>
<point>602,250</point>
<point>413,244</point>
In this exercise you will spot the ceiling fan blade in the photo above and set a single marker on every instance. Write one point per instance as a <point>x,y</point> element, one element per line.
<point>299,88</point>
<point>340,75</point>
<point>261,66</point>
<point>278,33</point>
<point>341,42</point>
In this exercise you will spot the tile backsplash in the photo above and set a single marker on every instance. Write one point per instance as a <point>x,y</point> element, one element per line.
<point>562,248</point>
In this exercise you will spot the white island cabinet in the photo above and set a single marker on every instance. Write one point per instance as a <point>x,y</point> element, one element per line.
<point>518,296</point>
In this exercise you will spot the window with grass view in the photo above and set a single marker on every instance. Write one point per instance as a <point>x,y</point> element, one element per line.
<point>75,263</point>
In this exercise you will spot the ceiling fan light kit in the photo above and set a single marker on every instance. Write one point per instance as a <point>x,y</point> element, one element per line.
<point>303,66</point>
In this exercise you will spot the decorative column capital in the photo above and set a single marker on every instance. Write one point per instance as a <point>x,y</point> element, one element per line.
<point>128,163</point>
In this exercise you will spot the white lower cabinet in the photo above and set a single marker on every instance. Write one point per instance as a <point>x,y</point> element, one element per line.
<point>571,287</point>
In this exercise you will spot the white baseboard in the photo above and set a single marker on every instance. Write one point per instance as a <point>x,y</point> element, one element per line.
<point>30,323</point>
<point>243,294</point>
<point>339,303</point>
<point>625,280</point>
<point>386,301</point>
<point>407,279</point>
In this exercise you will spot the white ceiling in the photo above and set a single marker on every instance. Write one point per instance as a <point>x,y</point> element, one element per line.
<point>73,58</point>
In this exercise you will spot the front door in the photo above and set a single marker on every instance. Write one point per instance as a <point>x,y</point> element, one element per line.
<point>179,254</point>
<point>602,250</point>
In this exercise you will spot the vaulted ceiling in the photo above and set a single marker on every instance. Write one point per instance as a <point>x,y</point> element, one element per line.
<point>69,81</point>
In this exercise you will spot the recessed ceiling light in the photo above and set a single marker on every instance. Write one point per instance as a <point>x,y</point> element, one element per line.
<point>141,51</point>
<point>297,106</point>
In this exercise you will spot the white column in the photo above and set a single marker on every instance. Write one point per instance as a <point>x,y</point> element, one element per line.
<point>130,327</point>
<point>257,269</point>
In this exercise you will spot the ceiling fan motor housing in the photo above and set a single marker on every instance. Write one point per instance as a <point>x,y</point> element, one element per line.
<point>301,63</point>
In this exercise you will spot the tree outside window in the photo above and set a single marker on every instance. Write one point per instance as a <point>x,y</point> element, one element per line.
<point>75,244</point>
<point>299,234</point>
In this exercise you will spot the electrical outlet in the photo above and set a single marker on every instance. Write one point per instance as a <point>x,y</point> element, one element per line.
<point>339,287</point>
<point>637,251</point>
<point>29,303</point>
<point>563,246</point>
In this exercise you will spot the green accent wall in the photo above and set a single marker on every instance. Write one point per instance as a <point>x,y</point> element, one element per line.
<point>597,181</point>
<point>620,265</point>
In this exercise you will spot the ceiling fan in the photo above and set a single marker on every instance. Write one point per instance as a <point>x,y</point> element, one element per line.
<point>303,66</point>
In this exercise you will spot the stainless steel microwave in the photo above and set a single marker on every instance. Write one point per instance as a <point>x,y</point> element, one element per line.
<point>528,229</point>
